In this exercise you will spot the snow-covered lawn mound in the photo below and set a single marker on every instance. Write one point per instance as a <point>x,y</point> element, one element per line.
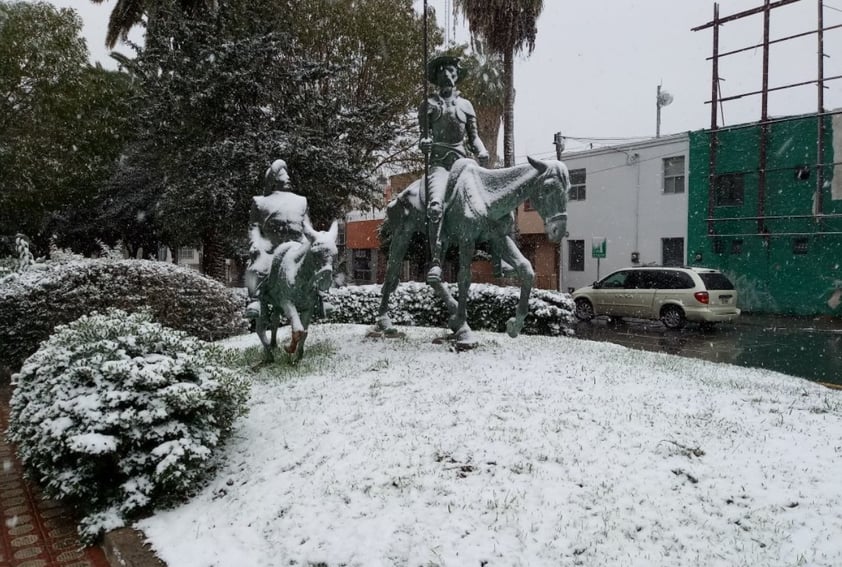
<point>529,451</point>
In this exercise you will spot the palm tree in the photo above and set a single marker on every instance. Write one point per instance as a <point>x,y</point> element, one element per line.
<point>506,27</point>
<point>129,13</point>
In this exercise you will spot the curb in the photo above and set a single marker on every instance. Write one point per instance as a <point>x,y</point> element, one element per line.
<point>126,548</point>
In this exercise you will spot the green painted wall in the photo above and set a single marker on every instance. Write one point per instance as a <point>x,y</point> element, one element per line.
<point>769,276</point>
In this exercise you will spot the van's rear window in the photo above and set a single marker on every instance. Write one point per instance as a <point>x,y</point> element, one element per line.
<point>716,281</point>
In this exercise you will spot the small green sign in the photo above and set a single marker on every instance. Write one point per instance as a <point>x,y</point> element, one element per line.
<point>598,247</point>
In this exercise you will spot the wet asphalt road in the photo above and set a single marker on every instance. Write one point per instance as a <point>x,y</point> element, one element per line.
<point>800,346</point>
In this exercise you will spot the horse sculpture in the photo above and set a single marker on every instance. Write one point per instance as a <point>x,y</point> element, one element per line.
<point>300,269</point>
<point>479,205</point>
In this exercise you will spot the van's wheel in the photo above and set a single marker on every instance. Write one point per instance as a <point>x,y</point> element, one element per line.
<point>673,317</point>
<point>584,309</point>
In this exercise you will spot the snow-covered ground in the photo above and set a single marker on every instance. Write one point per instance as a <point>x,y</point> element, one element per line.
<point>529,451</point>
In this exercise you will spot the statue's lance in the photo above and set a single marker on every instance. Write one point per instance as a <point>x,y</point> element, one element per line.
<point>425,128</point>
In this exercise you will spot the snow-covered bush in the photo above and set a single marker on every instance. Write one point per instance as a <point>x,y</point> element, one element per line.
<point>33,302</point>
<point>489,307</point>
<point>25,258</point>
<point>7,266</point>
<point>116,414</point>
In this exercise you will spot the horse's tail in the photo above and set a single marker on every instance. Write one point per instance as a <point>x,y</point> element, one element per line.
<point>401,210</point>
<point>384,233</point>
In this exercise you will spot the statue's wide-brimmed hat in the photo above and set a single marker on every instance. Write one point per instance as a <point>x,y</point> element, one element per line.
<point>440,61</point>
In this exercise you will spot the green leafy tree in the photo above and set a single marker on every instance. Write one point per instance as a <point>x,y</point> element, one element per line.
<point>126,206</point>
<point>222,96</point>
<point>59,121</point>
<point>376,44</point>
<point>507,27</point>
<point>102,112</point>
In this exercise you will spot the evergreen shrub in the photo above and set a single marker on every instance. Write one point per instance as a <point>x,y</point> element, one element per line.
<point>34,302</point>
<point>489,307</point>
<point>116,414</point>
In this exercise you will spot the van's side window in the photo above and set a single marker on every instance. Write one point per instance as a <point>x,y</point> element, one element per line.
<point>634,280</point>
<point>615,281</point>
<point>669,279</point>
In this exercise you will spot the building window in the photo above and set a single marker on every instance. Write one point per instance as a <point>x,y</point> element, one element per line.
<point>578,178</point>
<point>527,205</point>
<point>728,189</point>
<point>576,255</point>
<point>718,245</point>
<point>799,246</point>
<point>362,265</point>
<point>672,251</point>
<point>674,175</point>
<point>186,254</point>
<point>736,246</point>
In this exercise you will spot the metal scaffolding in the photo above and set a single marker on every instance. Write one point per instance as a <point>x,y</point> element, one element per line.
<point>716,101</point>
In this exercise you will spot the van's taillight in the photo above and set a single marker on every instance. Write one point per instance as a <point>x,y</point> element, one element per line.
<point>702,297</point>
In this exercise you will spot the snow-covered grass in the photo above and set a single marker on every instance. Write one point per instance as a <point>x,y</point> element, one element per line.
<point>530,451</point>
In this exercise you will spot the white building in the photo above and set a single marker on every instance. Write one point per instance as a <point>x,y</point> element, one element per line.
<point>632,197</point>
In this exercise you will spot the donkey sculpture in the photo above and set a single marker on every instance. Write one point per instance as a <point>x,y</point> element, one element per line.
<point>300,270</point>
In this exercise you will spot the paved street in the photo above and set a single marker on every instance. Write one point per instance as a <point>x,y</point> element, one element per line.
<point>800,346</point>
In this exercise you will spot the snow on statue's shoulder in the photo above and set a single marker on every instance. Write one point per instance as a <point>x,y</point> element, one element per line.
<point>288,205</point>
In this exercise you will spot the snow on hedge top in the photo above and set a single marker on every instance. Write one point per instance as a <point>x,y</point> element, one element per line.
<point>33,302</point>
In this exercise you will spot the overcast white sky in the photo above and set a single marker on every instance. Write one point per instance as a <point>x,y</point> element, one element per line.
<point>597,65</point>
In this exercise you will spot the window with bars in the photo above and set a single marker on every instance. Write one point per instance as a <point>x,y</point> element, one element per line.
<point>576,255</point>
<point>800,246</point>
<point>362,266</point>
<point>578,178</point>
<point>186,254</point>
<point>674,175</point>
<point>729,189</point>
<point>672,251</point>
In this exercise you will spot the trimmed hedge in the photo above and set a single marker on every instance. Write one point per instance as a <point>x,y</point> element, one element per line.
<point>489,307</point>
<point>116,414</point>
<point>34,302</point>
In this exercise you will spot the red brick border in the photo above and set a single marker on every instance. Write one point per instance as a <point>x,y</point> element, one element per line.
<point>35,532</point>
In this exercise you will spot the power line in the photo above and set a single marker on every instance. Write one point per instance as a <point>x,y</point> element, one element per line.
<point>595,138</point>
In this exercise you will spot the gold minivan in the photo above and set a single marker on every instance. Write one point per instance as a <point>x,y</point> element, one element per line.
<point>673,295</point>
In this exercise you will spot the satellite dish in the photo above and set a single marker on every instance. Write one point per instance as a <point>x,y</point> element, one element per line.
<point>664,98</point>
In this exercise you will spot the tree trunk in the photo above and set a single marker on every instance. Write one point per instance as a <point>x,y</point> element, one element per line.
<point>213,257</point>
<point>488,125</point>
<point>509,108</point>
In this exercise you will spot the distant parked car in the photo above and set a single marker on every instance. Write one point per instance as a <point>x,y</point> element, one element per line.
<point>673,295</point>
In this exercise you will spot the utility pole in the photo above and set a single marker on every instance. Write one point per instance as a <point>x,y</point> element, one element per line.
<point>558,141</point>
<point>662,98</point>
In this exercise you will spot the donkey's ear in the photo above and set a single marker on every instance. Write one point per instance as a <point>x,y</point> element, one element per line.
<point>537,164</point>
<point>309,231</point>
<point>333,232</point>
